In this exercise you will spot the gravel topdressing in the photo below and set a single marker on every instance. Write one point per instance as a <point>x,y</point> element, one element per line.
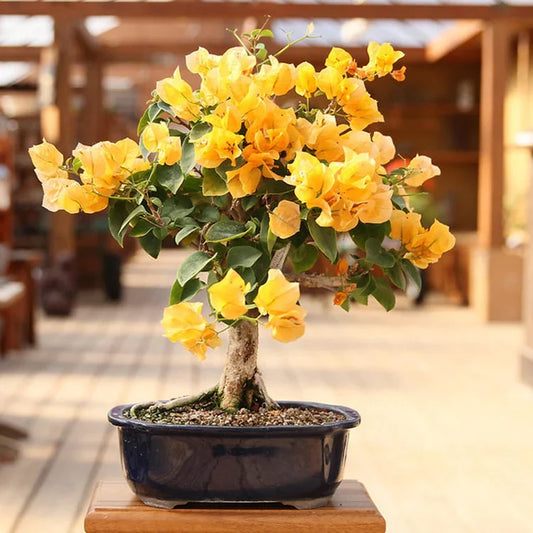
<point>198,416</point>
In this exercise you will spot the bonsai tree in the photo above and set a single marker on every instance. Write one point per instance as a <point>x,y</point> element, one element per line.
<point>265,161</point>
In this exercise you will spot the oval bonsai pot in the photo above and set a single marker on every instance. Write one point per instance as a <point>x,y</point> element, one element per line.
<point>170,465</point>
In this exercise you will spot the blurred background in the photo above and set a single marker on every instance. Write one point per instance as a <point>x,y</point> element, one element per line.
<point>443,383</point>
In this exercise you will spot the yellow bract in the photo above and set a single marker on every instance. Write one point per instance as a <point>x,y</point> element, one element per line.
<point>47,159</point>
<point>278,298</point>
<point>228,295</point>
<point>157,139</point>
<point>305,79</point>
<point>184,323</point>
<point>422,170</point>
<point>381,59</point>
<point>424,246</point>
<point>285,219</point>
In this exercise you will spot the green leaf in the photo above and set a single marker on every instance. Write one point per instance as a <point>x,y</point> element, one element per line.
<point>185,232</point>
<point>187,156</point>
<point>366,284</point>
<point>213,184</point>
<point>346,304</point>
<point>176,207</point>
<point>377,255</point>
<point>139,210</point>
<point>209,214</point>
<point>397,276</point>
<point>262,54</point>
<point>193,265</point>
<point>411,272</point>
<point>163,106</point>
<point>384,294</point>
<point>150,244</point>
<point>192,184</point>
<point>182,293</point>
<point>325,239</point>
<point>362,232</point>
<point>199,130</point>
<point>303,257</point>
<point>225,230</point>
<point>151,113</point>
<point>242,256</point>
<point>142,227</point>
<point>271,240</point>
<point>118,211</point>
<point>248,202</point>
<point>168,176</point>
<point>266,33</point>
<point>398,202</point>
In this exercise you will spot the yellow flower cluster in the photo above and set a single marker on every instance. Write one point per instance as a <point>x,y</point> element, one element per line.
<point>276,298</point>
<point>238,94</point>
<point>424,246</point>
<point>184,323</point>
<point>104,166</point>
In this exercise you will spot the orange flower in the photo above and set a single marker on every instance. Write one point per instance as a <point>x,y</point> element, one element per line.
<point>339,298</point>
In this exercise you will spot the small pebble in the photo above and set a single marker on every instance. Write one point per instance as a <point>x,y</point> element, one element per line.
<point>207,416</point>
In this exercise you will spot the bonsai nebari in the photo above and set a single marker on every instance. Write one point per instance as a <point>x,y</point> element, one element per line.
<point>265,161</point>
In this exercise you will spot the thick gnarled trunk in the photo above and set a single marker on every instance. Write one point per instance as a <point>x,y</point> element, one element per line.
<point>241,384</point>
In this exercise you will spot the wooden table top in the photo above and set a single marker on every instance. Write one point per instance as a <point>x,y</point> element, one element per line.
<point>114,508</point>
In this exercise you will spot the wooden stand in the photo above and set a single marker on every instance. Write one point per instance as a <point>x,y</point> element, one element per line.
<point>114,509</point>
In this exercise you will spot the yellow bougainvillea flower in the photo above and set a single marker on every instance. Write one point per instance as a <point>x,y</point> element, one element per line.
<point>328,81</point>
<point>86,198</point>
<point>106,164</point>
<point>440,239</point>
<point>384,147</point>
<point>244,180</point>
<point>405,226</point>
<point>227,296</point>
<point>201,61</point>
<point>288,326</point>
<point>305,84</point>
<point>157,139</point>
<point>311,178</point>
<point>216,146</point>
<point>381,59</point>
<point>178,94</point>
<point>362,112</point>
<point>55,196</point>
<point>184,323</point>
<point>277,296</point>
<point>275,78</point>
<point>285,219</point>
<point>422,169</point>
<point>47,160</point>
<point>378,208</point>
<point>339,59</point>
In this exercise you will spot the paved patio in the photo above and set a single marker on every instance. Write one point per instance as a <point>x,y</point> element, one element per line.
<point>446,442</point>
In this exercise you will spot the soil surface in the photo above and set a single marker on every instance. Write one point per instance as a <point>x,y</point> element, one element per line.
<point>208,416</point>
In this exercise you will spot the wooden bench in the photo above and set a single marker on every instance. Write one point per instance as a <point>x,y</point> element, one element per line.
<point>12,294</point>
<point>114,509</point>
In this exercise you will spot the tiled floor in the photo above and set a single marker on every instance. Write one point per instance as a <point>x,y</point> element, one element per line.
<point>446,443</point>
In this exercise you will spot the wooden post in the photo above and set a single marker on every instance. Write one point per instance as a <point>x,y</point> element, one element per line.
<point>57,123</point>
<point>494,68</point>
<point>496,273</point>
<point>94,101</point>
<point>526,140</point>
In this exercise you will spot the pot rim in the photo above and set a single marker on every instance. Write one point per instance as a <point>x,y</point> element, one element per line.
<point>352,419</point>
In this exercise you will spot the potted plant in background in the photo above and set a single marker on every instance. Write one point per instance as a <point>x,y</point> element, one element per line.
<point>264,162</point>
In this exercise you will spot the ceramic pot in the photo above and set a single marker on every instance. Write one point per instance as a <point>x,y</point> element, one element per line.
<point>171,465</point>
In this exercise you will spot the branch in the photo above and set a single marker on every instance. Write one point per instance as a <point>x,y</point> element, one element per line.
<point>317,281</point>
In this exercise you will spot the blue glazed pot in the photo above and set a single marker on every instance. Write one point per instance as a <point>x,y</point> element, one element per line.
<point>170,465</point>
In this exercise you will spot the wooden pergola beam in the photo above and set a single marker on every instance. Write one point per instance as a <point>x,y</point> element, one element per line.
<point>310,10</point>
<point>148,53</point>
<point>461,33</point>
<point>88,42</point>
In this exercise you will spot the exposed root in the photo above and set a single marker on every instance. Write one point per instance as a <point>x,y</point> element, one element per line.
<point>261,393</point>
<point>174,402</point>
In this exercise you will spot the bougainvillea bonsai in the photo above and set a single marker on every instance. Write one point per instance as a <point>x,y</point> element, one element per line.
<point>265,161</point>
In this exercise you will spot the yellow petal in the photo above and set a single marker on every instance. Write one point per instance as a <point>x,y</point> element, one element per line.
<point>285,219</point>
<point>227,296</point>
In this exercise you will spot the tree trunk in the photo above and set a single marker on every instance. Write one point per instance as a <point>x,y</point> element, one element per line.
<point>242,384</point>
